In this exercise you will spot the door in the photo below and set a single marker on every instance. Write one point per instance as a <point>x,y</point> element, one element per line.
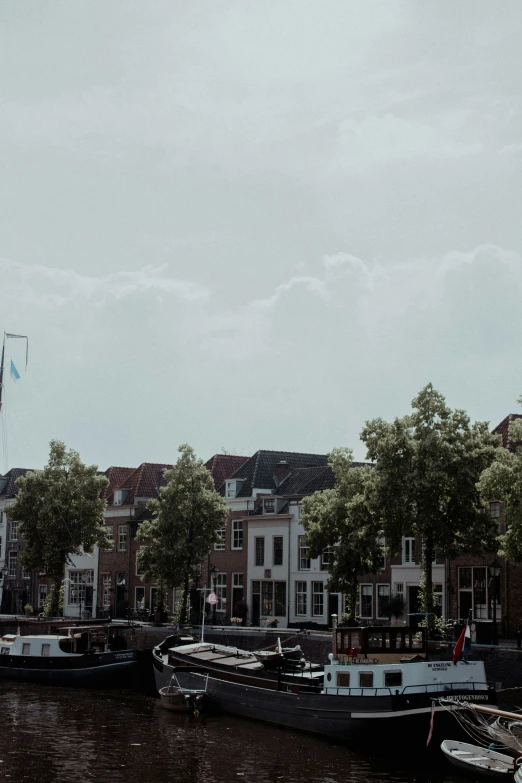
<point>333,607</point>
<point>256,608</point>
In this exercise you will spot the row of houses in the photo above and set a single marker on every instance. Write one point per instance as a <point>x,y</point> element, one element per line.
<point>259,562</point>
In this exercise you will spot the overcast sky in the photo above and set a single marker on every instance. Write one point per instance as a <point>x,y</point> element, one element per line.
<point>251,225</point>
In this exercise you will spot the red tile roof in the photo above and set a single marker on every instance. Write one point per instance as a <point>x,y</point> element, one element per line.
<point>142,482</point>
<point>116,477</point>
<point>223,466</point>
<point>502,429</point>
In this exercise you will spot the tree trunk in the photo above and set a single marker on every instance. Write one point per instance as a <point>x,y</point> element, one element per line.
<point>427,604</point>
<point>53,608</point>
<point>352,599</point>
<point>183,612</point>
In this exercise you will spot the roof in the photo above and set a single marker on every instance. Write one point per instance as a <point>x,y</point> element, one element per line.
<point>142,482</point>
<point>260,470</point>
<point>502,429</point>
<point>11,476</point>
<point>116,477</point>
<point>306,481</point>
<point>223,466</point>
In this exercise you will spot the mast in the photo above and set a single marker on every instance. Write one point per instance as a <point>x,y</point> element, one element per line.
<point>2,363</point>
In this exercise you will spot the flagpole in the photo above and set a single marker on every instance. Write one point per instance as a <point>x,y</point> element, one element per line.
<point>2,373</point>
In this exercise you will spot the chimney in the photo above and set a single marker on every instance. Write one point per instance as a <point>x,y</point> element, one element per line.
<point>282,470</point>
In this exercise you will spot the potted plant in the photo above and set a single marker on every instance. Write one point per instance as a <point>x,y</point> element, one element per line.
<point>272,623</point>
<point>28,609</point>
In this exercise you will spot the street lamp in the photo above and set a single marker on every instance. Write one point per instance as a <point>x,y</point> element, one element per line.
<point>494,572</point>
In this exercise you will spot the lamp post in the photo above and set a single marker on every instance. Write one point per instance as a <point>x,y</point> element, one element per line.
<point>494,571</point>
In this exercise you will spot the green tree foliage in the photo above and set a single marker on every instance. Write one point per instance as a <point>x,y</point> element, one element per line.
<point>427,467</point>
<point>502,482</point>
<point>342,520</point>
<point>60,513</point>
<point>187,516</point>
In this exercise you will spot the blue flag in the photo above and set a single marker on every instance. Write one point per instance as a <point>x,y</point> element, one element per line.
<point>15,375</point>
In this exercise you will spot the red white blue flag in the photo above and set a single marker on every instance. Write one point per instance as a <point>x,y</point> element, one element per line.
<point>463,642</point>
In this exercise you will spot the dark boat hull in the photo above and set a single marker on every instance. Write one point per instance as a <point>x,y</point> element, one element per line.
<point>348,718</point>
<point>82,670</point>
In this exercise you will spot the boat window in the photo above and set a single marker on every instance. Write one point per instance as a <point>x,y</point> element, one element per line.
<point>66,645</point>
<point>392,679</point>
<point>4,651</point>
<point>26,649</point>
<point>343,679</point>
<point>46,649</point>
<point>366,679</point>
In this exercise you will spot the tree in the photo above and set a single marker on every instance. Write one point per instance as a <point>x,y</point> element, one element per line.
<point>502,482</point>
<point>427,467</point>
<point>187,516</point>
<point>60,513</point>
<point>341,520</point>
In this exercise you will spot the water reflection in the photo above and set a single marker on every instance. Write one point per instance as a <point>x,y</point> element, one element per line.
<point>54,735</point>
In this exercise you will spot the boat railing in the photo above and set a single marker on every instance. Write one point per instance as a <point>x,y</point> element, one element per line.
<point>447,688</point>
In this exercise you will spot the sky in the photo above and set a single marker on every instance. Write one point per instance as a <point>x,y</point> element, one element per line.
<point>255,225</point>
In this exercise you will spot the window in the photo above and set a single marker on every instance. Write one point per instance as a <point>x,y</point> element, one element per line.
<point>219,543</point>
<point>220,589</point>
<point>437,598</point>
<point>495,509</point>
<point>301,595</point>
<point>383,601</point>
<point>13,557</point>
<point>42,595</point>
<point>106,590</point>
<point>327,558</point>
<point>139,598</point>
<point>366,679</point>
<point>13,530</point>
<point>237,534</point>
<point>267,598</point>
<point>280,599</point>
<point>231,489</point>
<point>4,651</point>
<point>304,560</point>
<point>120,495</point>
<point>123,531</point>
<point>366,601</point>
<point>26,648</point>
<point>78,582</point>
<point>343,679</point>
<point>26,574</point>
<point>408,551</point>
<point>278,551</point>
<point>476,591</point>
<point>46,650</point>
<point>260,550</point>
<point>317,599</point>
<point>269,506</point>
<point>110,536</point>
<point>393,679</point>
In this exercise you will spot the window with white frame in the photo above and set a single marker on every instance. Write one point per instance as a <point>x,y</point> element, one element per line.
<point>438,595</point>
<point>477,590</point>
<point>231,489</point>
<point>219,543</point>
<point>383,602</point>
<point>13,530</point>
<point>110,536</point>
<point>408,550</point>
<point>366,601</point>
<point>273,598</point>
<point>78,582</point>
<point>237,534</point>
<point>11,563</point>
<point>303,554</point>
<point>26,574</point>
<point>277,558</point>
<point>220,589</point>
<point>106,590</point>
<point>327,558</point>
<point>317,599</point>
<point>259,550</point>
<point>301,596</point>
<point>42,595</point>
<point>123,532</point>
<point>495,509</point>
<point>139,598</point>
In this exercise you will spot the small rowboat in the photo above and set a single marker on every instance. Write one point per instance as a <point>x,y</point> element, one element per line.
<point>507,732</point>
<point>177,699</point>
<point>479,760</point>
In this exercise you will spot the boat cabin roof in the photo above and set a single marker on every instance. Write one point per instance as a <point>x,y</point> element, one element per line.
<point>217,653</point>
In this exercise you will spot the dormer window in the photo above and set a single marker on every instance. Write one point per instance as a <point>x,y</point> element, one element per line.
<point>269,506</point>
<point>231,489</point>
<point>120,496</point>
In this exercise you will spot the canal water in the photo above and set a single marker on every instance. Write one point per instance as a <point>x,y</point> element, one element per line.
<point>58,735</point>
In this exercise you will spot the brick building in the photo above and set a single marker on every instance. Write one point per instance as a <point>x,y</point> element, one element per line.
<point>17,586</point>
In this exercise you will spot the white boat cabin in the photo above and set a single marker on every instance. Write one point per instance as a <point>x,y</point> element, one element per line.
<point>74,641</point>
